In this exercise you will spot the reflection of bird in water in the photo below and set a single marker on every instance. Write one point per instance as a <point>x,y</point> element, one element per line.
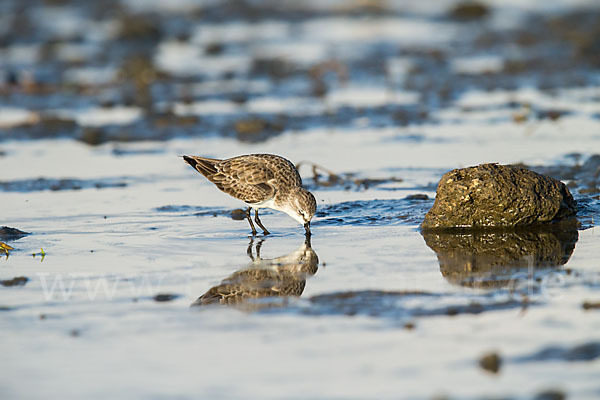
<point>277,277</point>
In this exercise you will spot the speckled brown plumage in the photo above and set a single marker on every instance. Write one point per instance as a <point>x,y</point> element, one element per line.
<point>261,181</point>
<point>252,178</point>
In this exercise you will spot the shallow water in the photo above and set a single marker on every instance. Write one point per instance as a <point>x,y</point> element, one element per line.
<point>125,237</point>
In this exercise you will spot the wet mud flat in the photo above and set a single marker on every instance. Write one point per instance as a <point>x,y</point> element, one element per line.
<point>368,292</point>
<point>128,70</point>
<point>119,262</point>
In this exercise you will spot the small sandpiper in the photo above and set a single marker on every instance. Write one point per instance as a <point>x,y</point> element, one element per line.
<point>261,181</point>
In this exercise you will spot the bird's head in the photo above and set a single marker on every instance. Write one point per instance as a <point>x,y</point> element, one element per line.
<point>302,207</point>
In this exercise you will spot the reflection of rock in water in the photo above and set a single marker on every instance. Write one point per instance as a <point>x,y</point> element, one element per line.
<point>489,258</point>
<point>277,277</point>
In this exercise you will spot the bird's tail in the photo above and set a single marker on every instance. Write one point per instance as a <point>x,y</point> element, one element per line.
<point>206,166</point>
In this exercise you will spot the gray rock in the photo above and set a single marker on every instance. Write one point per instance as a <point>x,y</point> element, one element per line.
<point>492,195</point>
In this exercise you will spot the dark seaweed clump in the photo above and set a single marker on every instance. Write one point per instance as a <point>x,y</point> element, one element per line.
<point>40,184</point>
<point>397,305</point>
<point>7,233</point>
<point>16,281</point>
<point>583,352</point>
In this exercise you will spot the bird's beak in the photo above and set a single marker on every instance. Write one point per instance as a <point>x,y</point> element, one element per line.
<point>307,228</point>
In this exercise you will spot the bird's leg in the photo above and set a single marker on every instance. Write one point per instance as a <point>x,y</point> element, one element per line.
<point>250,221</point>
<point>258,246</point>
<point>249,249</point>
<point>257,220</point>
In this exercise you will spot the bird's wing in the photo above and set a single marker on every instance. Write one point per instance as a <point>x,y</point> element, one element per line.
<point>251,181</point>
<point>252,284</point>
